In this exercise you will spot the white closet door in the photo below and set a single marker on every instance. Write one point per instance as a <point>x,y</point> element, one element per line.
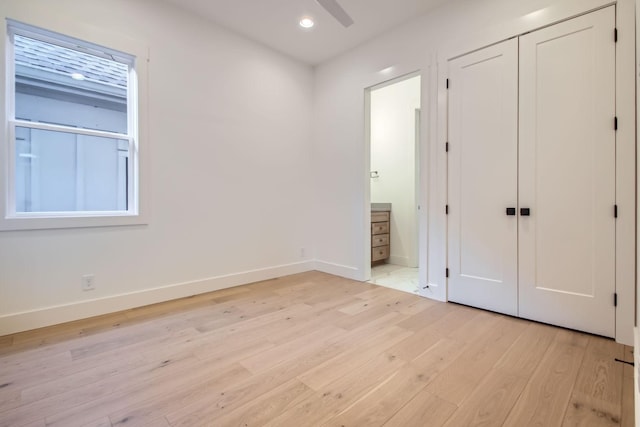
<point>567,174</point>
<point>483,157</point>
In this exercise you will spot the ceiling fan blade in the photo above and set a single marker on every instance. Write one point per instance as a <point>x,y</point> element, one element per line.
<point>334,8</point>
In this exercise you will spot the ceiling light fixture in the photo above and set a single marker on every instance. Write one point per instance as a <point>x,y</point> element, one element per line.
<point>77,76</point>
<point>306,22</point>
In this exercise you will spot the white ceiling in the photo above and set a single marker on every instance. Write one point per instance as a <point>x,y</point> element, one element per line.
<point>275,22</point>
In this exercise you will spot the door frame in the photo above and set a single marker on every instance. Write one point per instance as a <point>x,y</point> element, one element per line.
<point>625,140</point>
<point>367,154</point>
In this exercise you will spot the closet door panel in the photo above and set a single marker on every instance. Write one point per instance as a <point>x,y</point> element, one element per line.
<point>482,253</point>
<point>567,174</point>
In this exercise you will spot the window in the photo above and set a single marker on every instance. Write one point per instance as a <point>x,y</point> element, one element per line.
<point>72,131</point>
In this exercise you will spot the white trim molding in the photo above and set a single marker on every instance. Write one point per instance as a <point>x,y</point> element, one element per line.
<point>345,271</point>
<point>48,316</point>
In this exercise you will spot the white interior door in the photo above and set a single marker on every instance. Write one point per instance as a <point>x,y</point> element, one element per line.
<point>567,174</point>
<point>483,159</point>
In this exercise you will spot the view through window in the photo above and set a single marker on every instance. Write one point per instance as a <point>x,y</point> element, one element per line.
<point>71,132</point>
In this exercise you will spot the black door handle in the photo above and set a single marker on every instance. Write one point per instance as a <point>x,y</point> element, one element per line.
<point>511,211</point>
<point>525,211</point>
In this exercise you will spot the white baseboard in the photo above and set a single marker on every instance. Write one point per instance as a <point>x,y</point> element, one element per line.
<point>432,292</point>
<point>352,273</point>
<point>402,261</point>
<point>33,319</point>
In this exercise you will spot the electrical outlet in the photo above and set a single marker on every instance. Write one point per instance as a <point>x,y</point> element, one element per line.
<point>88,282</point>
<point>302,252</point>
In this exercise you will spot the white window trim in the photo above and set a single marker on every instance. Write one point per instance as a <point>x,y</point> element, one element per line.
<point>138,210</point>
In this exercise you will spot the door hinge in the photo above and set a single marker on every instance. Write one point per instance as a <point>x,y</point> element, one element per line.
<point>615,299</point>
<point>615,211</point>
<point>615,35</point>
<point>446,272</point>
<point>615,123</point>
<point>447,83</point>
<point>446,209</point>
<point>446,147</point>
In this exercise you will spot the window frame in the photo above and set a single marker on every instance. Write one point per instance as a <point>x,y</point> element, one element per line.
<point>83,41</point>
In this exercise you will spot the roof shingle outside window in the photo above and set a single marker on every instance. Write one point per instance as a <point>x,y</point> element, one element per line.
<point>51,58</point>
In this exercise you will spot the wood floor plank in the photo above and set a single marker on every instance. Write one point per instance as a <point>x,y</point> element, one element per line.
<point>597,394</point>
<point>628,401</point>
<point>36,338</point>
<point>605,346</point>
<point>156,406</point>
<point>628,368</point>
<point>37,423</point>
<point>290,350</point>
<point>414,307</point>
<point>424,318</point>
<point>588,411</point>
<point>251,389</point>
<point>6,341</point>
<point>367,316</point>
<point>438,357</point>
<point>240,324</point>
<point>159,391</point>
<point>100,422</point>
<point>376,407</point>
<point>414,345</point>
<point>460,318</point>
<point>50,369</point>
<point>268,406</point>
<point>490,402</point>
<point>425,409</point>
<point>118,340</point>
<point>600,376</point>
<point>545,398</point>
<point>305,350</point>
<point>158,422</point>
<point>578,339</point>
<point>482,353</point>
<point>14,365</point>
<point>293,326</point>
<point>110,368</point>
<point>15,376</point>
<point>343,363</point>
<point>333,398</point>
<point>86,394</point>
<point>524,356</point>
<point>380,299</point>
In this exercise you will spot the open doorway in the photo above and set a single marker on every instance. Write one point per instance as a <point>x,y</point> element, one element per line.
<point>393,129</point>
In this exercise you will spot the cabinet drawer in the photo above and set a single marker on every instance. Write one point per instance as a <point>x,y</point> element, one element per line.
<point>379,240</point>
<point>379,216</point>
<point>380,228</point>
<point>379,253</point>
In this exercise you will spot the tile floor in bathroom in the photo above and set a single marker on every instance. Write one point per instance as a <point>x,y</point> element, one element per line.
<point>396,277</point>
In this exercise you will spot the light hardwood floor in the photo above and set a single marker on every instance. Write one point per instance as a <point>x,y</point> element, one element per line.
<point>311,350</point>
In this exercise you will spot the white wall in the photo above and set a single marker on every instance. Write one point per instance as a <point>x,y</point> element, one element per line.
<point>393,134</point>
<point>229,173</point>
<point>425,45</point>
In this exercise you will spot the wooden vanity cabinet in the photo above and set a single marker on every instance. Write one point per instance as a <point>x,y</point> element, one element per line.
<point>380,242</point>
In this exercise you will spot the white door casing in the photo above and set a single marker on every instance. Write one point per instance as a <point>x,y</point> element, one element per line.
<point>482,178</point>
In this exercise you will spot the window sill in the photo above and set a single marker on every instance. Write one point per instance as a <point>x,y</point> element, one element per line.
<point>56,220</point>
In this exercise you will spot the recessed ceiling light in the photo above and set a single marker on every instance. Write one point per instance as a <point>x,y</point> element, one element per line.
<point>77,76</point>
<point>306,22</point>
